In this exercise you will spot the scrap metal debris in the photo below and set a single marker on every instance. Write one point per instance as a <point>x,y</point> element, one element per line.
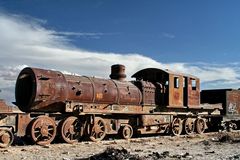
<point>115,154</point>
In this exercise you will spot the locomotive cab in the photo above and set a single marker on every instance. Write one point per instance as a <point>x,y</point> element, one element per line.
<point>168,89</point>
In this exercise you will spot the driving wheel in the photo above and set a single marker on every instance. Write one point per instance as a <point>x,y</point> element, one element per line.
<point>98,131</point>
<point>43,130</point>
<point>200,125</point>
<point>176,126</point>
<point>189,126</point>
<point>70,129</point>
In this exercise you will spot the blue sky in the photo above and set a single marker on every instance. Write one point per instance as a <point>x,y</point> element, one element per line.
<point>86,37</point>
<point>179,31</point>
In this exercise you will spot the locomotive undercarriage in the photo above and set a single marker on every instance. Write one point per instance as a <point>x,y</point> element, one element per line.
<point>75,126</point>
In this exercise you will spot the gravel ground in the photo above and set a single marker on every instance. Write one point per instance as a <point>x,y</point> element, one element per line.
<point>207,146</point>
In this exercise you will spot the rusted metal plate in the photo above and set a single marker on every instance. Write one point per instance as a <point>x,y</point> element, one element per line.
<point>80,88</point>
<point>150,120</point>
<point>105,91</point>
<point>92,90</point>
<point>175,91</point>
<point>87,108</point>
<point>193,94</point>
<point>22,122</point>
<point>149,93</point>
<point>233,103</point>
<point>128,94</point>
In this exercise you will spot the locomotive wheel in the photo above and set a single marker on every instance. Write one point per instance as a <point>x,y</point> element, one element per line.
<point>200,125</point>
<point>6,137</point>
<point>70,129</point>
<point>189,126</point>
<point>43,130</point>
<point>127,131</point>
<point>98,131</point>
<point>177,126</point>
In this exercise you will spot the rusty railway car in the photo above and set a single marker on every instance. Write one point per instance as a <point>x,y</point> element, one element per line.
<point>54,105</point>
<point>230,101</point>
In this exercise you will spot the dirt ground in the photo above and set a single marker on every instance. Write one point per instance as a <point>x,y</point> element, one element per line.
<point>207,146</point>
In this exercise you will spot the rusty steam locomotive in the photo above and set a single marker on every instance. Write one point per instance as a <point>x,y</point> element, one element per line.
<point>54,105</point>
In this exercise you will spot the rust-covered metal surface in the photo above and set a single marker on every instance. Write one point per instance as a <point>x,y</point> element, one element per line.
<point>105,108</point>
<point>233,103</point>
<point>149,93</point>
<point>38,89</point>
<point>176,91</point>
<point>48,91</point>
<point>228,98</point>
<point>193,92</point>
<point>22,122</point>
<point>151,120</point>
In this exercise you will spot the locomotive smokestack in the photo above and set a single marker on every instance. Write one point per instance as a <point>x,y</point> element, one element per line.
<point>118,72</point>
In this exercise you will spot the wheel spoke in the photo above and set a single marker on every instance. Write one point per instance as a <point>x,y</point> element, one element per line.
<point>71,137</point>
<point>67,135</point>
<point>37,131</point>
<point>50,135</point>
<point>38,136</point>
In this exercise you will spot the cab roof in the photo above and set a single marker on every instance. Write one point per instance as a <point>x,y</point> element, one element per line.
<point>154,74</point>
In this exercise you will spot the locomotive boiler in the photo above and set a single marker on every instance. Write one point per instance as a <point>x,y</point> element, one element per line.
<point>39,90</point>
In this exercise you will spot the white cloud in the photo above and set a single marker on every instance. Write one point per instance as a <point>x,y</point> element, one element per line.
<point>25,42</point>
<point>82,34</point>
<point>168,35</point>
